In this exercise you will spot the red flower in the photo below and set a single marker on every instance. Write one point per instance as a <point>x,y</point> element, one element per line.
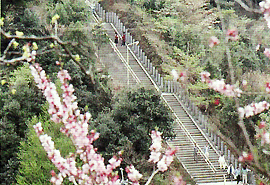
<point>217,101</point>
<point>262,124</point>
<point>249,157</point>
<point>267,87</point>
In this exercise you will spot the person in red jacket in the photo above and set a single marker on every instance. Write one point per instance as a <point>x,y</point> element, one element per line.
<point>123,40</point>
<point>116,39</point>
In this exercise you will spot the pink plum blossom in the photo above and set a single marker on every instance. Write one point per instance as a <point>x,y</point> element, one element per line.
<point>174,74</point>
<point>162,166</point>
<point>65,111</point>
<point>226,89</point>
<point>133,174</point>
<point>178,76</point>
<point>232,34</point>
<point>38,128</point>
<point>253,109</point>
<point>205,76</point>
<point>267,52</point>
<point>265,138</point>
<point>265,8</point>
<point>267,87</point>
<point>213,41</point>
<point>220,86</point>
<point>75,125</point>
<point>178,180</point>
<point>166,160</point>
<point>262,125</point>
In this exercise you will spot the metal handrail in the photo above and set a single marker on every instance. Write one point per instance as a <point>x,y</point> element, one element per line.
<point>214,148</point>
<point>138,61</point>
<point>178,120</point>
<point>124,61</point>
<point>192,140</point>
<point>147,74</point>
<point>96,17</point>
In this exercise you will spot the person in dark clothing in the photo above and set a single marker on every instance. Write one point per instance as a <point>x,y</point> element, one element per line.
<point>123,40</point>
<point>195,153</point>
<point>238,174</point>
<point>230,171</point>
<point>116,39</point>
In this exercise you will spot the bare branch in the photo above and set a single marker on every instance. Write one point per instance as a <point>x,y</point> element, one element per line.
<point>11,61</point>
<point>53,38</point>
<point>243,5</point>
<point>255,162</point>
<point>235,150</point>
<point>6,50</point>
<point>14,53</point>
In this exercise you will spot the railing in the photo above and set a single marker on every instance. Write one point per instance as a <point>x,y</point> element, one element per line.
<point>214,148</point>
<point>137,60</point>
<point>96,17</point>
<point>169,87</point>
<point>190,137</point>
<point>154,81</point>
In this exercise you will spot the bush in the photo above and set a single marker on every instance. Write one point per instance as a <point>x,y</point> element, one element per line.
<point>16,109</point>
<point>35,166</point>
<point>127,126</point>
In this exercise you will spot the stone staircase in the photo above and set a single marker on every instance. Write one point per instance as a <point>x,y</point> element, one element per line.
<point>116,68</point>
<point>204,171</point>
<point>200,171</point>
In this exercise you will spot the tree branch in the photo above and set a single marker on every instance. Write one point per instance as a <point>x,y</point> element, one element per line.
<point>151,177</point>
<point>53,38</point>
<point>240,122</point>
<point>243,5</point>
<point>6,50</point>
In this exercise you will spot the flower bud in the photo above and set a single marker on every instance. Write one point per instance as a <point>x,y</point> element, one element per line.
<point>34,46</point>
<point>15,44</point>
<point>19,33</point>
<point>2,21</point>
<point>3,82</point>
<point>54,18</point>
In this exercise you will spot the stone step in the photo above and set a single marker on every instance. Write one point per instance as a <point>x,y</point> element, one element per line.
<point>200,171</point>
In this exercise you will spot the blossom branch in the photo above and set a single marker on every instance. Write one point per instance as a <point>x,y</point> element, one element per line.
<point>228,53</point>
<point>243,5</point>
<point>251,147</point>
<point>43,38</point>
<point>151,177</point>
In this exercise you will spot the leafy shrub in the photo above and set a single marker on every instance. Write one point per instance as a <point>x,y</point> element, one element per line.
<point>35,166</point>
<point>127,126</point>
<point>16,110</point>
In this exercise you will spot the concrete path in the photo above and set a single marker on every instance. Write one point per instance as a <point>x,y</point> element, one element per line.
<point>222,183</point>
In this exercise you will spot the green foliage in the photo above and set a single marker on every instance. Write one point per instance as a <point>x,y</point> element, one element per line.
<point>9,146</point>
<point>5,5</point>
<point>16,109</point>
<point>35,166</point>
<point>188,38</point>
<point>70,11</point>
<point>153,5</point>
<point>22,76</point>
<point>128,125</point>
<point>99,36</point>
